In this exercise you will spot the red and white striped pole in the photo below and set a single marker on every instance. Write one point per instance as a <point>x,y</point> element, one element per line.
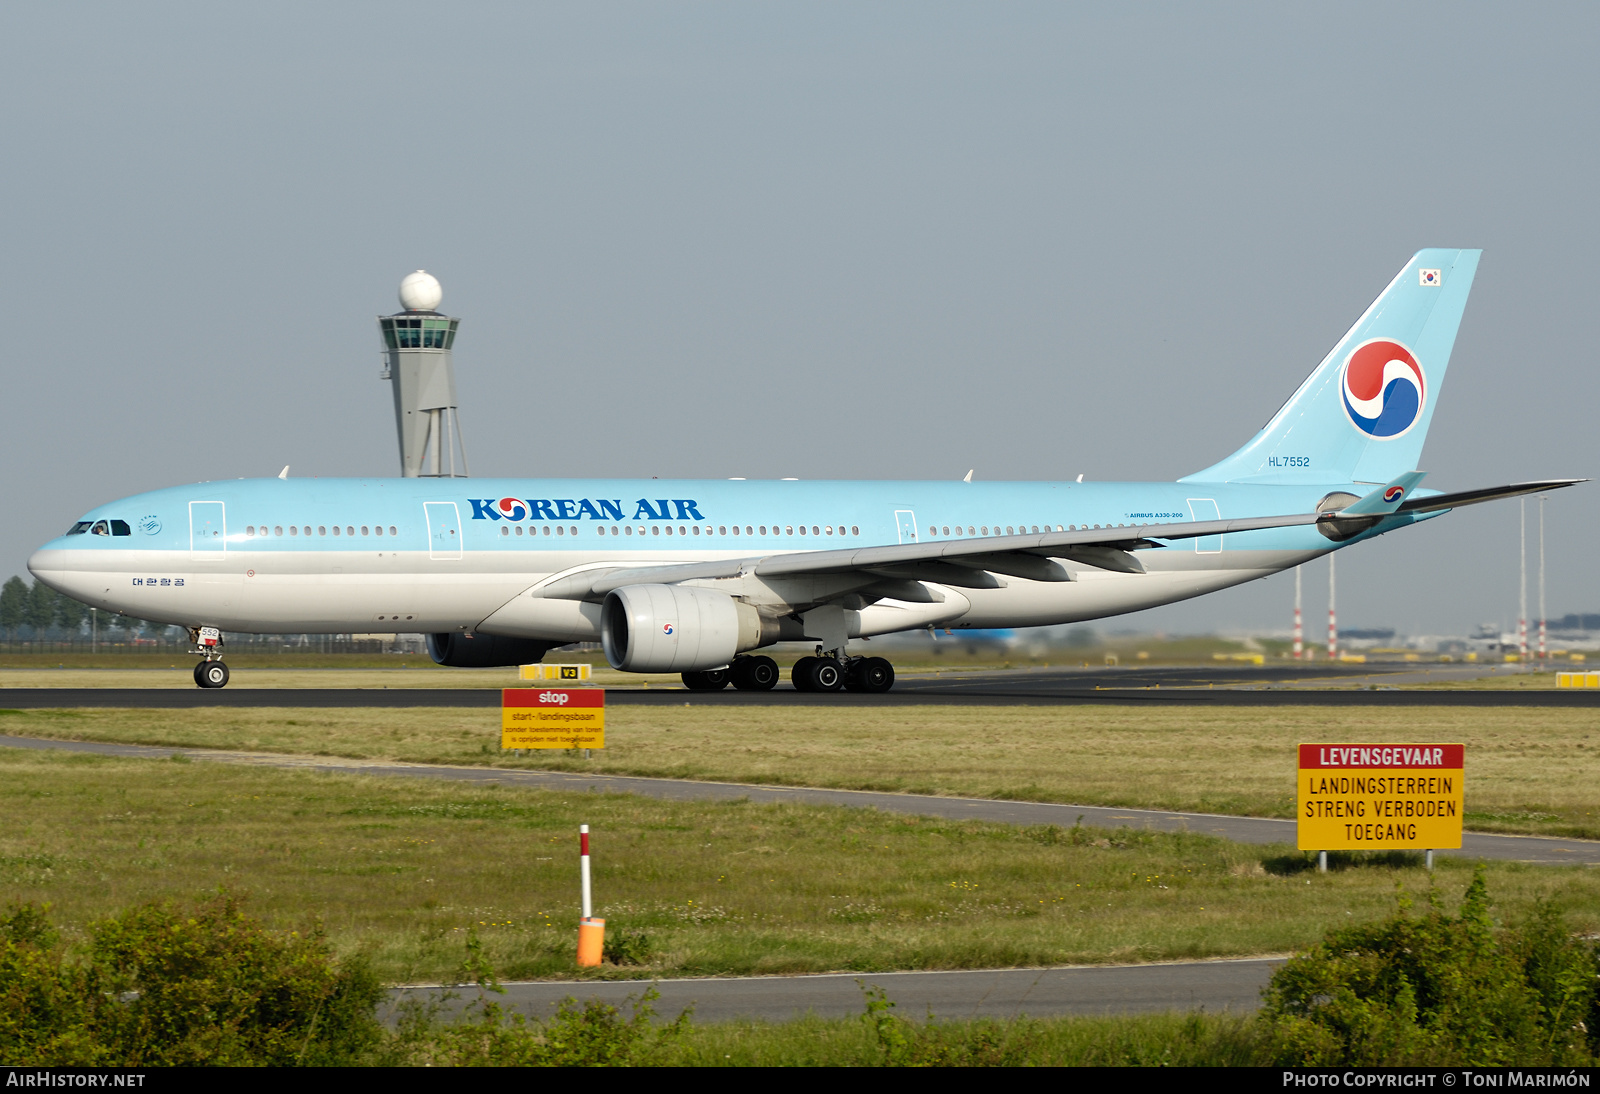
<point>591,931</point>
<point>1299,631</point>
<point>1333,620</point>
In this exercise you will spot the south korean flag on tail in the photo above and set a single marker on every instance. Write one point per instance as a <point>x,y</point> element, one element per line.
<point>1428,279</point>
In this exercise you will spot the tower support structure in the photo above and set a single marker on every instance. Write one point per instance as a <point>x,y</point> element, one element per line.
<point>417,345</point>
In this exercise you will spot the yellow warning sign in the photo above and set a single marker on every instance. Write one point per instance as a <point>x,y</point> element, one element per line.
<point>552,718</point>
<point>574,673</point>
<point>1380,797</point>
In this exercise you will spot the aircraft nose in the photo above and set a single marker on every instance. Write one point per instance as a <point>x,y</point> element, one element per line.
<point>45,564</point>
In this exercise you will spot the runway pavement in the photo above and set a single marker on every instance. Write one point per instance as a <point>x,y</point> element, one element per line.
<point>1541,850</point>
<point>978,993</point>
<point>1326,685</point>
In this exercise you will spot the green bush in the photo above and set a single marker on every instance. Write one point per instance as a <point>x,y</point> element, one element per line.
<point>158,987</point>
<point>1439,990</point>
<point>594,1034</point>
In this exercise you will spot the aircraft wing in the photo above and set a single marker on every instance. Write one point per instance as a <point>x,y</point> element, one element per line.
<point>1436,502</point>
<point>966,563</point>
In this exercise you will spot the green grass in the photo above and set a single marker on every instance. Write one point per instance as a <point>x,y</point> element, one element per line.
<point>1528,770</point>
<point>408,869</point>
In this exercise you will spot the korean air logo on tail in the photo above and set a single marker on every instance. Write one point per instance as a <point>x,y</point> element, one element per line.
<point>1384,390</point>
<point>1394,494</point>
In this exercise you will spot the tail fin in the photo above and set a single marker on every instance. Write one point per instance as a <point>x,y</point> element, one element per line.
<point>1363,414</point>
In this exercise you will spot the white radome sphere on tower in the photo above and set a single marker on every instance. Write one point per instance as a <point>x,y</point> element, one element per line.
<point>420,291</point>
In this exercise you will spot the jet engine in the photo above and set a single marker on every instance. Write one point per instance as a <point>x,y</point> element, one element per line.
<point>485,651</point>
<point>676,628</point>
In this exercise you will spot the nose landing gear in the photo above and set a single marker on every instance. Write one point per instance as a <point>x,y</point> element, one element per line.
<point>210,672</point>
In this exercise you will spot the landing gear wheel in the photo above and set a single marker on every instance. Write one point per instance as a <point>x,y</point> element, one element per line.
<point>871,674</point>
<point>800,674</point>
<point>755,673</point>
<point>709,680</point>
<point>825,674</point>
<point>211,674</point>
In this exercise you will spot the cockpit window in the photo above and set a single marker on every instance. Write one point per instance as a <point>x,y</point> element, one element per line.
<point>101,528</point>
<point>79,528</point>
<point>120,528</point>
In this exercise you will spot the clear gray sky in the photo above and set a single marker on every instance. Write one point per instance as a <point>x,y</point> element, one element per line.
<point>823,240</point>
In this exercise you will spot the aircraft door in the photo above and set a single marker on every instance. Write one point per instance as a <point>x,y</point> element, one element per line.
<point>444,529</point>
<point>906,521</point>
<point>208,529</point>
<point>1205,509</point>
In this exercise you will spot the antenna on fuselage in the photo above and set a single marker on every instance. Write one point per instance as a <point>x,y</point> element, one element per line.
<point>416,361</point>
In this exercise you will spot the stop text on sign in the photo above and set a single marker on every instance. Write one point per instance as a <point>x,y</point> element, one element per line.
<point>552,718</point>
<point>1388,797</point>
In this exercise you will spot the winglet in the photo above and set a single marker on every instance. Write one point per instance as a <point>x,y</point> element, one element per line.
<point>969,476</point>
<point>284,474</point>
<point>1385,499</point>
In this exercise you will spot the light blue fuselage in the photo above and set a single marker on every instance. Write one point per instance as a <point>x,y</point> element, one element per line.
<point>377,555</point>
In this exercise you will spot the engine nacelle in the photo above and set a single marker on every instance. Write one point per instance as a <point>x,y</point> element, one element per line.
<point>485,651</point>
<point>676,628</point>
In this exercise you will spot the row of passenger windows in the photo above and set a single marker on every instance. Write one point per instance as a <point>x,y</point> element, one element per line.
<point>1008,530</point>
<point>322,530</point>
<point>694,530</point>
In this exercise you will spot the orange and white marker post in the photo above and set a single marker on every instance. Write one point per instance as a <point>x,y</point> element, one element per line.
<point>591,931</point>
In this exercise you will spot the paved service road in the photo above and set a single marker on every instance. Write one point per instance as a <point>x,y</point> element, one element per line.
<point>1259,830</point>
<point>982,993</point>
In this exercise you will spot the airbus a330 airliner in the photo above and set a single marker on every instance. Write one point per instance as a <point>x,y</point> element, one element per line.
<point>693,576</point>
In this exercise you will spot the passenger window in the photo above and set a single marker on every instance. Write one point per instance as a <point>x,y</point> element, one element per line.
<point>293,531</point>
<point>722,529</point>
<point>682,531</point>
<point>277,530</point>
<point>364,529</point>
<point>378,530</point>
<point>855,530</point>
<point>814,530</point>
<point>985,529</point>
<point>697,529</point>
<point>560,531</point>
<point>628,531</point>
<point>669,529</point>
<point>504,531</point>
<point>322,529</point>
<point>655,529</point>
<point>335,529</point>
<point>763,529</point>
<point>613,529</point>
<point>391,530</point>
<point>574,529</point>
<point>788,529</point>
<point>249,529</point>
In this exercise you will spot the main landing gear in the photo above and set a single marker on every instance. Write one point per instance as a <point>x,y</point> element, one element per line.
<point>210,672</point>
<point>833,670</point>
<point>746,674</point>
<point>825,672</point>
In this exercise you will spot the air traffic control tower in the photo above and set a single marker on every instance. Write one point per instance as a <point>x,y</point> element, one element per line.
<point>416,360</point>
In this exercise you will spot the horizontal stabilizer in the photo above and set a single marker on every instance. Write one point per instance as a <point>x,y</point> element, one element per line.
<point>1437,502</point>
<point>1385,499</point>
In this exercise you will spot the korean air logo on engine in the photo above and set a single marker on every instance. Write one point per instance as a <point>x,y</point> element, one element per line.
<point>666,629</point>
<point>1383,389</point>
